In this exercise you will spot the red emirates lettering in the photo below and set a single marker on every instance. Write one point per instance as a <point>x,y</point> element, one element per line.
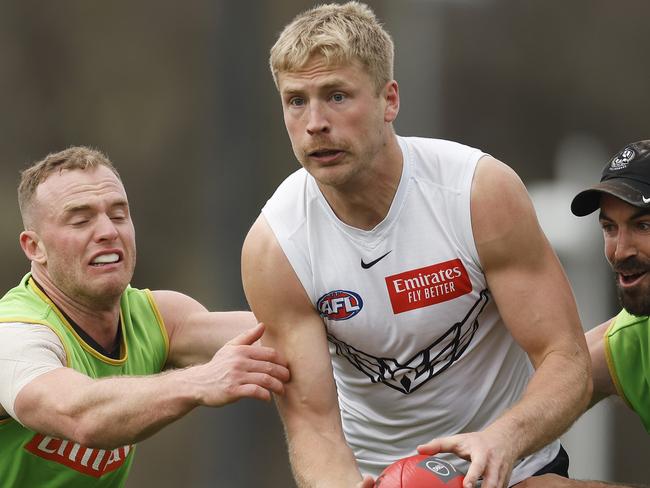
<point>426,286</point>
<point>93,462</point>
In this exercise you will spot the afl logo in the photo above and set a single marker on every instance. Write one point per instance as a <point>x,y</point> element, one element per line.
<point>339,305</point>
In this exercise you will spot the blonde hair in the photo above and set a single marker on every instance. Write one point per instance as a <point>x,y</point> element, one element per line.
<point>76,157</point>
<point>341,34</point>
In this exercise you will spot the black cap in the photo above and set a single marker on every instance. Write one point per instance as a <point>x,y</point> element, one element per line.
<point>626,176</point>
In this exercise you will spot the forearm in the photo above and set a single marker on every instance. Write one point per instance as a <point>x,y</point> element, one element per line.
<point>556,395</point>
<point>105,413</point>
<point>112,412</point>
<point>321,459</point>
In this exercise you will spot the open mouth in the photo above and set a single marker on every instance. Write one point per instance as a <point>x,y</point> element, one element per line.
<point>325,153</point>
<point>630,279</point>
<point>106,259</point>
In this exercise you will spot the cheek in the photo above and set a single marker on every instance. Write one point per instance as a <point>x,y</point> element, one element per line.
<point>291,123</point>
<point>610,248</point>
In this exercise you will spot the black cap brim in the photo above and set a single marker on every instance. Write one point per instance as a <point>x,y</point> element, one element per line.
<point>588,201</point>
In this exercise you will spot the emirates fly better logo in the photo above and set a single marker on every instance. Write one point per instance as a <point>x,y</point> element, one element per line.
<point>426,286</point>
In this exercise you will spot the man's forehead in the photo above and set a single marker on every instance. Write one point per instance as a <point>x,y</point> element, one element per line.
<point>611,206</point>
<point>70,184</point>
<point>318,67</point>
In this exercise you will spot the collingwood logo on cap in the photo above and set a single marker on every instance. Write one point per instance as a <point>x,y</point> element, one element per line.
<point>623,159</point>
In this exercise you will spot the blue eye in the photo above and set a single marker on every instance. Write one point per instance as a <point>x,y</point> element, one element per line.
<point>296,102</point>
<point>338,97</point>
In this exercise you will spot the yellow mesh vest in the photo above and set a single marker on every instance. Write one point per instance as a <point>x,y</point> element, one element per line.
<point>30,459</point>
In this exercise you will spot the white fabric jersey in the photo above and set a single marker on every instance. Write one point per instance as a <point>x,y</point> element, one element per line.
<point>418,348</point>
<point>26,352</point>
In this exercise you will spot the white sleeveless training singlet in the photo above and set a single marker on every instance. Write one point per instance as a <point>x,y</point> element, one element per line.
<point>417,345</point>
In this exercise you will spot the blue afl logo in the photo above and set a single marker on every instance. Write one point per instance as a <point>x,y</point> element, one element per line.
<point>339,305</point>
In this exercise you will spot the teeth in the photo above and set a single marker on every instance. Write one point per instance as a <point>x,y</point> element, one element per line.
<point>106,258</point>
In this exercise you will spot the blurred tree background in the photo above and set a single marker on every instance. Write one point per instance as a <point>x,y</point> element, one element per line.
<point>179,95</point>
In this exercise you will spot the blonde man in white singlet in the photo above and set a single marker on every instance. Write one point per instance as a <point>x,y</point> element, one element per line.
<point>406,281</point>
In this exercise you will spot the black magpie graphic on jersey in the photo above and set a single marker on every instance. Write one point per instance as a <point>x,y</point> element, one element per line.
<point>372,263</point>
<point>426,364</point>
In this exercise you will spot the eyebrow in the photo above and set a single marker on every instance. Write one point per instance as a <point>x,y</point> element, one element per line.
<point>331,84</point>
<point>84,207</point>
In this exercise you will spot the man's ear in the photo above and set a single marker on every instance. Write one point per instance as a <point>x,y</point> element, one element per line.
<point>391,95</point>
<point>32,246</point>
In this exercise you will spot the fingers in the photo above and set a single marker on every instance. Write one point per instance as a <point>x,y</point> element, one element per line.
<point>454,443</point>
<point>488,460</point>
<point>265,381</point>
<point>475,471</point>
<point>238,370</point>
<point>247,337</point>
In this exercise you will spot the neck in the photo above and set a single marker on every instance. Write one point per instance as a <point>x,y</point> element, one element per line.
<point>99,320</point>
<point>365,202</point>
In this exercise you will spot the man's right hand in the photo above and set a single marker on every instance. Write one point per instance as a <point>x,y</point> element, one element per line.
<point>238,370</point>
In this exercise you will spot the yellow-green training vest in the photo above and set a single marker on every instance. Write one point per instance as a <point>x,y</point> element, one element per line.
<point>29,459</point>
<point>627,348</point>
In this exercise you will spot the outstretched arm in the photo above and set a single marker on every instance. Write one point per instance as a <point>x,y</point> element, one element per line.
<point>309,408</point>
<point>116,411</point>
<point>536,302</point>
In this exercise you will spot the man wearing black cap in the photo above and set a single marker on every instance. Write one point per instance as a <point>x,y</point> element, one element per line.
<point>620,348</point>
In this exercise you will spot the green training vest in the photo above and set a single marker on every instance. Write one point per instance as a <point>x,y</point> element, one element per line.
<point>627,343</point>
<point>29,459</point>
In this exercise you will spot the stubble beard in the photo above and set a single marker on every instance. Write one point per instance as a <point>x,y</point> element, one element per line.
<point>636,301</point>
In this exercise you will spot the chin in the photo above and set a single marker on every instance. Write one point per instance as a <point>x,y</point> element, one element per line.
<point>636,302</point>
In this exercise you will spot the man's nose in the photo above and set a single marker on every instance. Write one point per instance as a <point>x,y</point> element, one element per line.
<point>317,122</point>
<point>105,229</point>
<point>625,247</point>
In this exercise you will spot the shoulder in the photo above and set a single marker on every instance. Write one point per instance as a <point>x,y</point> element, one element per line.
<point>21,337</point>
<point>260,242</point>
<point>262,255</point>
<point>495,180</point>
<point>504,221</point>
<point>627,323</point>
<point>440,162</point>
<point>497,191</point>
<point>438,146</point>
<point>267,275</point>
<point>627,338</point>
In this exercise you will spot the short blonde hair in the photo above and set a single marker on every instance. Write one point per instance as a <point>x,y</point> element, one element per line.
<point>76,157</point>
<point>340,33</point>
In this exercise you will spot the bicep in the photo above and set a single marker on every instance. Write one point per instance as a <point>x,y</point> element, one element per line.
<point>293,328</point>
<point>523,273</point>
<point>195,334</point>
